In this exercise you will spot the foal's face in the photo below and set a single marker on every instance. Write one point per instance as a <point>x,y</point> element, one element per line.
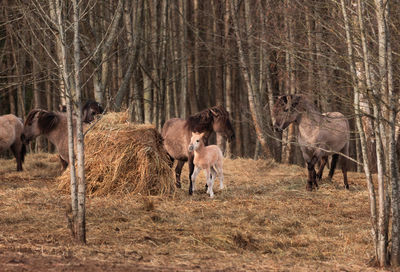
<point>31,129</point>
<point>284,111</point>
<point>195,141</point>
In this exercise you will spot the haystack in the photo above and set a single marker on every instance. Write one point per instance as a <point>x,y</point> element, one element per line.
<point>124,158</point>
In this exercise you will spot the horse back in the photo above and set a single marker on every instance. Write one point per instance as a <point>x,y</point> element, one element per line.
<point>11,129</point>
<point>335,131</point>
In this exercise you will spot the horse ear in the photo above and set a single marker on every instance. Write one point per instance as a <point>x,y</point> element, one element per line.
<point>213,112</point>
<point>295,100</point>
<point>47,121</point>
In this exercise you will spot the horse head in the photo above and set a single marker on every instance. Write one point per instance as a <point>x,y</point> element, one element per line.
<point>286,111</point>
<point>38,122</point>
<point>90,109</point>
<point>222,123</point>
<point>195,141</point>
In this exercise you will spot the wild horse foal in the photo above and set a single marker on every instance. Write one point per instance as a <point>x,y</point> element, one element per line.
<point>177,132</point>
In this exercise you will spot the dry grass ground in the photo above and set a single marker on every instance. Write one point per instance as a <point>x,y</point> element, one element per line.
<point>263,220</point>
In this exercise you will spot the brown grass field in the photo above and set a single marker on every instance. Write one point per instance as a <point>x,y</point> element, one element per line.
<point>264,220</point>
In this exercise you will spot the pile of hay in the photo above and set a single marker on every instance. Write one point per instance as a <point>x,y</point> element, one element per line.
<point>124,158</point>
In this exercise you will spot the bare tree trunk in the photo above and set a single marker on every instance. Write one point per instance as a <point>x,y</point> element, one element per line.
<point>65,78</point>
<point>80,145</point>
<point>371,190</point>
<point>246,76</point>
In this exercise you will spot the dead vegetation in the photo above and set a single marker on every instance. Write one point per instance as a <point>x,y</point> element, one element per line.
<point>124,158</point>
<point>263,220</point>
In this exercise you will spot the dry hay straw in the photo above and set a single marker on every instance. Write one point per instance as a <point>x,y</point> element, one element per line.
<point>124,158</point>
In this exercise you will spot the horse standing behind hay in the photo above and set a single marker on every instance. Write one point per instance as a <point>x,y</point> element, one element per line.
<point>11,128</point>
<point>319,135</point>
<point>89,110</point>
<point>210,159</point>
<point>177,132</point>
<point>53,125</point>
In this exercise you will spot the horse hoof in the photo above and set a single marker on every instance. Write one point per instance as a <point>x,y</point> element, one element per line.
<point>347,187</point>
<point>309,188</point>
<point>178,185</point>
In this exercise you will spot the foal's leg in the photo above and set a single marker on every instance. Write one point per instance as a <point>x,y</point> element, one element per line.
<point>196,171</point>
<point>220,176</point>
<point>178,171</point>
<point>321,167</point>
<point>210,181</point>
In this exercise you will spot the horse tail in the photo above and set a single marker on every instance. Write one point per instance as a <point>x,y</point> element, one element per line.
<point>335,158</point>
<point>23,152</point>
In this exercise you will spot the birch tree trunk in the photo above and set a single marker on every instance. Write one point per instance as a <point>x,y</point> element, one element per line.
<point>80,221</point>
<point>65,78</point>
<point>245,71</point>
<point>371,190</point>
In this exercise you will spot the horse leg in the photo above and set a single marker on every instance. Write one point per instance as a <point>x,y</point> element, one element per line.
<point>64,164</point>
<point>191,169</point>
<point>196,171</point>
<point>210,181</point>
<point>311,174</point>
<point>178,171</point>
<point>333,165</point>
<point>321,167</point>
<point>171,161</point>
<point>343,162</point>
<point>15,148</point>
<point>220,176</point>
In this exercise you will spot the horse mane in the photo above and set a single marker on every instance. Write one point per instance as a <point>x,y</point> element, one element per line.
<point>31,115</point>
<point>91,103</point>
<point>47,120</point>
<point>202,121</point>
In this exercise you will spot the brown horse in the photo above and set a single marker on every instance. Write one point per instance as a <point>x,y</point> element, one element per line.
<point>11,128</point>
<point>319,135</point>
<point>177,132</point>
<point>89,110</point>
<point>51,124</point>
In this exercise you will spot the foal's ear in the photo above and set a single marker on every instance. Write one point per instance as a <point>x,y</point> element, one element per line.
<point>47,121</point>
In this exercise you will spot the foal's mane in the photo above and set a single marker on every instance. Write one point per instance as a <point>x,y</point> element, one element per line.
<point>202,121</point>
<point>47,120</point>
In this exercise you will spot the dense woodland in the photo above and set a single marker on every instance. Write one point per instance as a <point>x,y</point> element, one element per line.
<point>163,59</point>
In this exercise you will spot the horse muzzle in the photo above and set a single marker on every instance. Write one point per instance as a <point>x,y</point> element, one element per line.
<point>191,148</point>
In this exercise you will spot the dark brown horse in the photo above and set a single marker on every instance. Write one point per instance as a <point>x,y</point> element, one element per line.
<point>51,124</point>
<point>11,128</point>
<point>89,110</point>
<point>319,135</point>
<point>177,132</point>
